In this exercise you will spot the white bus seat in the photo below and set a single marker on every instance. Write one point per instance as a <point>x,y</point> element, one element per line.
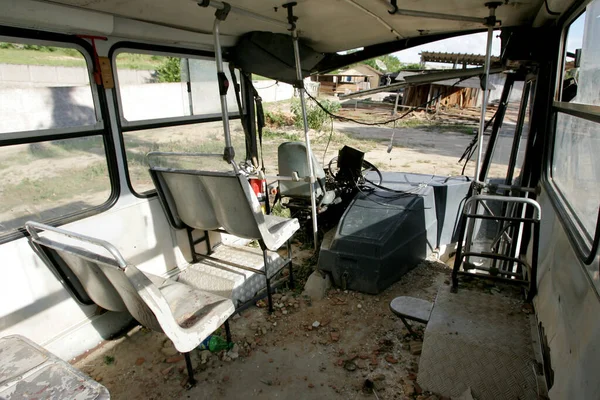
<point>29,371</point>
<point>209,200</point>
<point>411,308</point>
<point>185,314</point>
<point>291,157</point>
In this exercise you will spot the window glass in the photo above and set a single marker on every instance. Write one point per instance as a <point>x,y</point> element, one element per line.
<point>575,162</point>
<point>154,87</point>
<point>43,87</point>
<point>576,166</point>
<point>506,136</point>
<point>204,137</point>
<point>51,179</point>
<point>582,58</point>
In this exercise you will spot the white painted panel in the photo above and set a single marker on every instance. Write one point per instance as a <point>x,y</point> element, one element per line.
<point>33,303</point>
<point>568,308</point>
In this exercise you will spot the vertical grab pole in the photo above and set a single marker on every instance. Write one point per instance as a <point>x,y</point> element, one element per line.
<point>300,87</point>
<point>491,23</point>
<point>220,15</point>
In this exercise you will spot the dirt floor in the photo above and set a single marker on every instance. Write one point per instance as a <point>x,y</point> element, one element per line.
<point>304,350</point>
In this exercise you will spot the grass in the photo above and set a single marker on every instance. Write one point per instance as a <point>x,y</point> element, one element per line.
<point>139,61</point>
<point>48,191</point>
<point>66,57</point>
<point>35,57</point>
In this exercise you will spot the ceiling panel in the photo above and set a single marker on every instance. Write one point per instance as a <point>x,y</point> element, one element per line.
<point>329,25</point>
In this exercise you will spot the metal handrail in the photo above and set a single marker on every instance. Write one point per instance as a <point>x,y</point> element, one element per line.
<point>488,197</point>
<point>31,227</point>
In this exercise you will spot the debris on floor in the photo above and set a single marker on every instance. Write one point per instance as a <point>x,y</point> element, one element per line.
<point>329,348</point>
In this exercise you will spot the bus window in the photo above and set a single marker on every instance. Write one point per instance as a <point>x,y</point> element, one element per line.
<point>44,87</point>
<point>575,162</point>
<point>205,137</point>
<point>179,94</point>
<point>153,86</point>
<point>52,151</point>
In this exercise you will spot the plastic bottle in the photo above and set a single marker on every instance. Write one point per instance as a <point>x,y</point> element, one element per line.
<point>215,343</point>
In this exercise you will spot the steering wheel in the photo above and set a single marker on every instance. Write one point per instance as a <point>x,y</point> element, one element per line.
<point>365,169</point>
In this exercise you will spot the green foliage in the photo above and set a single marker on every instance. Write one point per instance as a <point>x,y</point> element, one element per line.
<point>277,119</point>
<point>108,360</point>
<point>391,62</point>
<point>279,211</point>
<point>279,135</point>
<point>315,116</point>
<point>412,66</point>
<point>170,70</point>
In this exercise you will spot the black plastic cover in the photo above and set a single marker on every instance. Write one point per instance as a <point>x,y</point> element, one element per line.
<point>272,55</point>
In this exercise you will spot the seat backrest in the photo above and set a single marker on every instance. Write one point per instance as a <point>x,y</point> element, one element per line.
<point>235,204</point>
<point>207,199</point>
<point>185,199</point>
<point>106,279</point>
<point>291,157</point>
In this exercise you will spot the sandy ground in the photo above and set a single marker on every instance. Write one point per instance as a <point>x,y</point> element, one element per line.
<point>283,355</point>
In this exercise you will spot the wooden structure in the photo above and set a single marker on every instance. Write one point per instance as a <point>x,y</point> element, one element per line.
<point>451,94</point>
<point>348,81</point>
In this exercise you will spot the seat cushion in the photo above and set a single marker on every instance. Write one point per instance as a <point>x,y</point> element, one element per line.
<point>412,308</point>
<point>191,306</point>
<point>280,229</point>
<point>224,279</point>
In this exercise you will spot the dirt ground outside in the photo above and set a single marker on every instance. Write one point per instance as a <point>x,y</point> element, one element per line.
<point>51,179</point>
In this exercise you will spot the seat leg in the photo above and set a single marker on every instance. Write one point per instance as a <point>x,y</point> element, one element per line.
<point>269,295</point>
<point>227,331</point>
<point>190,370</point>
<point>266,263</point>
<point>405,322</point>
<point>289,251</point>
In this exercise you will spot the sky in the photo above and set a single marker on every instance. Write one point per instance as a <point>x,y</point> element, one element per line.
<point>475,44</point>
<point>472,44</point>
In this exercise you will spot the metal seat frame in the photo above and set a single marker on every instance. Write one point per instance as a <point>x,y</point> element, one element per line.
<point>215,222</point>
<point>184,313</point>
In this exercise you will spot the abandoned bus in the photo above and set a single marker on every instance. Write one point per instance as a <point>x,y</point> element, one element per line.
<point>163,236</point>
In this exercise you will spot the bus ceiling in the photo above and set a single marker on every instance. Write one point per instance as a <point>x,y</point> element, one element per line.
<point>322,25</point>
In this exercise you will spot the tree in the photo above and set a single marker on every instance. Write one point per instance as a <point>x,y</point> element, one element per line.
<point>412,66</point>
<point>391,62</point>
<point>170,70</point>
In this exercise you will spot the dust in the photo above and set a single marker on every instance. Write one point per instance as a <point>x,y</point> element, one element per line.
<point>348,345</point>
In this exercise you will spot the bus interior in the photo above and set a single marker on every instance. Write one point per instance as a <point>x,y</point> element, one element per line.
<point>156,235</point>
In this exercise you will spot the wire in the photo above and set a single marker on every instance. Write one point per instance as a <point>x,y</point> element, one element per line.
<point>270,86</point>
<point>348,119</point>
<point>328,141</point>
<point>548,9</point>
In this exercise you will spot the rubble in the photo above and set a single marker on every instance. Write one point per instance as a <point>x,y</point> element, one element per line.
<point>332,335</point>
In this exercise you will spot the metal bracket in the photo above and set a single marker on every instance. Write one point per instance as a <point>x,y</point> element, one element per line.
<point>491,20</point>
<point>394,7</point>
<point>290,14</point>
<point>221,14</point>
<point>228,154</point>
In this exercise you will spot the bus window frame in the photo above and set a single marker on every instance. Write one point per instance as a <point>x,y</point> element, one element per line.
<point>581,240</point>
<point>101,128</point>
<point>144,48</point>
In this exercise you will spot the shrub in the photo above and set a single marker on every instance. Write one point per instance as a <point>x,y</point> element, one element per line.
<point>170,70</point>
<point>315,116</point>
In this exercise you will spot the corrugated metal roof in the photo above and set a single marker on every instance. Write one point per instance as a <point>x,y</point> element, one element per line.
<point>458,58</point>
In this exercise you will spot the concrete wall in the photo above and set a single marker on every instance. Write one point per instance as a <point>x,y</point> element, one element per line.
<point>36,108</point>
<point>43,97</point>
<point>270,90</point>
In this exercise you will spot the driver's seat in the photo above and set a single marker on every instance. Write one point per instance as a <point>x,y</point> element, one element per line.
<point>291,157</point>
